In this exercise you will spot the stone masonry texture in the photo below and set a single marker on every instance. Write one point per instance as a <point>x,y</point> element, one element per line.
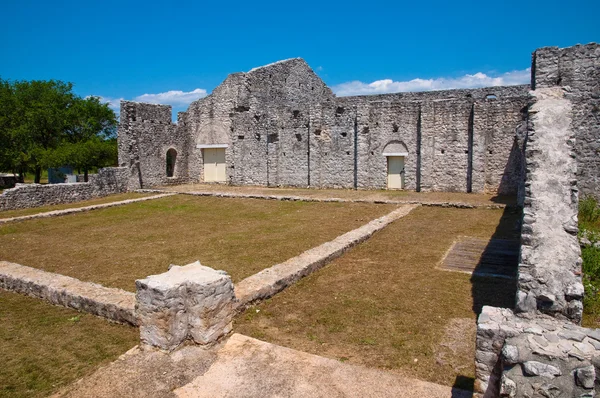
<point>539,350</point>
<point>550,262</point>
<point>282,126</point>
<point>108,181</point>
<point>114,304</point>
<point>577,68</point>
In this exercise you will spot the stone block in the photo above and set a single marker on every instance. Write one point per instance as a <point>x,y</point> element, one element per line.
<point>190,302</point>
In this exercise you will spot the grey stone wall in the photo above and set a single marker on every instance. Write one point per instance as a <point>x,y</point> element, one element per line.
<point>109,180</point>
<point>550,263</point>
<point>578,68</point>
<point>284,127</point>
<point>539,356</point>
<point>146,133</point>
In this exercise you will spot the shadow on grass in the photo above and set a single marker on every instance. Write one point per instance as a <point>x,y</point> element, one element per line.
<point>494,280</point>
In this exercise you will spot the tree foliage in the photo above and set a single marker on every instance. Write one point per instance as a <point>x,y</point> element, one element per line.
<point>44,124</point>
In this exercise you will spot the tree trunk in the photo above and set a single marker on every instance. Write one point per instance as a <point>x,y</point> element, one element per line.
<point>38,174</point>
<point>85,175</point>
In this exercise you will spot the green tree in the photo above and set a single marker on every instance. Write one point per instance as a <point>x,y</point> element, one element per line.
<point>40,119</point>
<point>44,124</point>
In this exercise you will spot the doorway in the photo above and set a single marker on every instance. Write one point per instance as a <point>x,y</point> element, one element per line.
<point>395,172</point>
<point>214,164</point>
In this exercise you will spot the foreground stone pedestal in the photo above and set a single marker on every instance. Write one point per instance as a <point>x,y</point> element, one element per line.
<point>190,302</point>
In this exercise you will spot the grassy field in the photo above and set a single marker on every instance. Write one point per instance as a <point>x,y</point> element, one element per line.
<point>117,245</point>
<point>43,347</point>
<point>371,195</point>
<point>43,209</point>
<point>384,304</point>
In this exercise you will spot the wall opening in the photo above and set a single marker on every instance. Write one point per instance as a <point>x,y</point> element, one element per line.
<point>214,164</point>
<point>171,159</point>
<point>395,172</point>
<point>395,153</point>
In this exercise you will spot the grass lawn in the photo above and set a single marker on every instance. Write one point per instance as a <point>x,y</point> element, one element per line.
<point>384,304</point>
<point>43,347</point>
<point>372,195</point>
<point>43,209</point>
<point>117,245</point>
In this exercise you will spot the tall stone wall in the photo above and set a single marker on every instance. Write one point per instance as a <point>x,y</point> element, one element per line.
<point>109,180</point>
<point>282,126</point>
<point>578,68</point>
<point>146,133</point>
<point>550,262</point>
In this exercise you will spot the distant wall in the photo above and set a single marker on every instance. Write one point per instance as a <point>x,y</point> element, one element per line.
<point>146,133</point>
<point>108,181</point>
<point>282,126</point>
<point>577,67</point>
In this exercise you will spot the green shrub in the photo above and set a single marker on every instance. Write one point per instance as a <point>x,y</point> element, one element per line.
<point>591,262</point>
<point>589,212</point>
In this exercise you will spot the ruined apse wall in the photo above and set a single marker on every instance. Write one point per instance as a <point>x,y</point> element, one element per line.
<point>577,67</point>
<point>146,133</point>
<point>282,126</point>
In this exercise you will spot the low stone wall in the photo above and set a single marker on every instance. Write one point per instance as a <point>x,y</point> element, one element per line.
<point>56,213</point>
<point>272,280</point>
<point>108,181</point>
<point>529,356</point>
<point>114,304</point>
<point>294,198</point>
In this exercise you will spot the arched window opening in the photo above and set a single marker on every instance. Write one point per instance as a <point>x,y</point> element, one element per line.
<point>171,159</point>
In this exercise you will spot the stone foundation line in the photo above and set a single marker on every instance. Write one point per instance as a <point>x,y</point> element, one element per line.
<point>110,303</point>
<point>292,198</point>
<point>56,213</point>
<point>272,280</point>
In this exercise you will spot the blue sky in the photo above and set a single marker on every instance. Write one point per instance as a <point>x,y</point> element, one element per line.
<point>175,52</point>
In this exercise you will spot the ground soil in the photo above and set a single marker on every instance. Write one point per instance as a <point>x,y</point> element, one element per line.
<point>44,347</point>
<point>369,195</point>
<point>386,304</point>
<point>115,246</point>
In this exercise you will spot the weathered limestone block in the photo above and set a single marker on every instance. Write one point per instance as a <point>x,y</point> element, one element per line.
<point>190,302</point>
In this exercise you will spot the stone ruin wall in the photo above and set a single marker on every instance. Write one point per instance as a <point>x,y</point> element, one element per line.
<point>284,127</point>
<point>538,349</point>
<point>146,133</point>
<point>108,181</point>
<point>577,67</point>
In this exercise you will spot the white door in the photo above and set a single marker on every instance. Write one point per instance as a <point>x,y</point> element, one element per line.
<point>395,169</point>
<point>214,165</point>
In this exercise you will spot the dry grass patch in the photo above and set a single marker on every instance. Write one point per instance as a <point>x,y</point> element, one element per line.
<point>371,195</point>
<point>91,202</point>
<point>115,246</point>
<point>44,347</point>
<point>385,304</point>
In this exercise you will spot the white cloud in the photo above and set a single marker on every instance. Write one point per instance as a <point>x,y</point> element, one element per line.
<point>467,81</point>
<point>113,103</point>
<point>176,98</point>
